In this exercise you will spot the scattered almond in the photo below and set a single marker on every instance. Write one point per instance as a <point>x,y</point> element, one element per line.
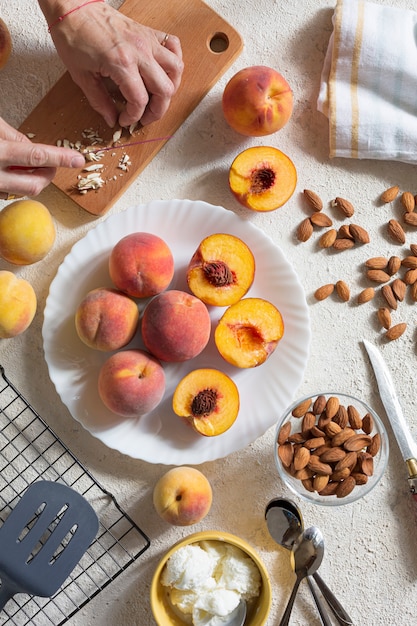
<point>342,290</point>
<point>394,264</point>
<point>343,244</point>
<point>408,202</point>
<point>344,232</point>
<point>413,292</point>
<point>304,230</point>
<point>378,276</point>
<point>413,248</point>
<point>396,231</point>
<point>324,291</point>
<point>366,295</point>
<point>410,262</point>
<point>396,331</point>
<point>384,317</point>
<point>344,205</point>
<point>410,277</point>
<point>328,238</point>
<point>410,219</point>
<point>377,263</point>
<point>390,194</point>
<point>313,199</point>
<point>388,294</point>
<point>321,219</point>
<point>359,234</point>
<point>399,288</point>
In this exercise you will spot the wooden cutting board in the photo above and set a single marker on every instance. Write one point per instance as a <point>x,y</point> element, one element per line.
<point>210,45</point>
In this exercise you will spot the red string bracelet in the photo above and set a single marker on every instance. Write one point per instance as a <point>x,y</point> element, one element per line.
<point>59,19</point>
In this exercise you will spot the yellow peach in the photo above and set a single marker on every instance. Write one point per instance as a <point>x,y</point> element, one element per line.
<point>106,319</point>
<point>5,43</point>
<point>27,232</point>
<point>176,326</point>
<point>248,332</point>
<point>141,265</point>
<point>221,270</point>
<point>208,400</point>
<point>131,383</point>
<point>182,496</point>
<point>17,304</point>
<point>257,101</point>
<point>262,178</point>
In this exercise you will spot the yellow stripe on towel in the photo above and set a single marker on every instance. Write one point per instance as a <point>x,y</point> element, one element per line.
<point>357,46</point>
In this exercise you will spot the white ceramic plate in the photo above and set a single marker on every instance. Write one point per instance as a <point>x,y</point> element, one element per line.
<point>160,436</point>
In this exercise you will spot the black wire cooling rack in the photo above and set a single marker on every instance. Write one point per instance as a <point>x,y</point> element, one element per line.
<point>29,451</point>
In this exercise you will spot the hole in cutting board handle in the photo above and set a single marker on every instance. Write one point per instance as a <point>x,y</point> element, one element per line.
<point>219,42</point>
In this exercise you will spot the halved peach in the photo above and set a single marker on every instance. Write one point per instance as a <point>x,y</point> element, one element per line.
<point>262,178</point>
<point>208,400</point>
<point>248,332</point>
<point>221,270</point>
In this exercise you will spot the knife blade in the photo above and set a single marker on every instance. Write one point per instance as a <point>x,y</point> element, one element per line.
<point>388,394</point>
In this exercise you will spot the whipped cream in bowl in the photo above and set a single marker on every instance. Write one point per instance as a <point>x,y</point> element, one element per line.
<point>203,578</point>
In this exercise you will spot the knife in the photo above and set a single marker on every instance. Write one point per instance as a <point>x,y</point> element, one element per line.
<point>406,443</point>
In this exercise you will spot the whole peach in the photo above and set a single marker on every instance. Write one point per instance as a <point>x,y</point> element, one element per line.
<point>5,44</point>
<point>131,383</point>
<point>106,319</point>
<point>182,496</point>
<point>17,304</point>
<point>27,232</point>
<point>141,265</point>
<point>175,326</point>
<point>257,101</point>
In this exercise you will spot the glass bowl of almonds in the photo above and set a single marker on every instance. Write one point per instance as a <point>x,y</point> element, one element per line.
<point>330,448</point>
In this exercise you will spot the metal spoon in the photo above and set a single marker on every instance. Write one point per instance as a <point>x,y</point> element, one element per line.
<point>238,616</point>
<point>285,523</point>
<point>308,553</point>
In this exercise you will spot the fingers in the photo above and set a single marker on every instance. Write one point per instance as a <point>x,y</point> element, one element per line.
<point>149,88</point>
<point>34,155</point>
<point>25,182</point>
<point>27,168</point>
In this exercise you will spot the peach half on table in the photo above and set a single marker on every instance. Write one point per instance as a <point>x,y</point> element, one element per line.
<point>5,43</point>
<point>182,496</point>
<point>248,332</point>
<point>106,319</point>
<point>208,400</point>
<point>131,383</point>
<point>262,178</point>
<point>176,326</point>
<point>27,232</point>
<point>221,270</point>
<point>17,304</point>
<point>257,101</point>
<point>141,265</point>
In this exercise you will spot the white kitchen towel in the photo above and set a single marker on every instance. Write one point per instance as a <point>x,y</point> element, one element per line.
<point>368,86</point>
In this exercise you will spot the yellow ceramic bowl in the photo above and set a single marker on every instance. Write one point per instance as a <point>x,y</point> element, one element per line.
<point>257,611</point>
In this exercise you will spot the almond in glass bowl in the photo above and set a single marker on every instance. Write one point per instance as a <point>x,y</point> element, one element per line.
<point>330,448</point>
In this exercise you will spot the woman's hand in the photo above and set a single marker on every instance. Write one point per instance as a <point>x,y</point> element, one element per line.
<point>25,167</point>
<point>98,43</point>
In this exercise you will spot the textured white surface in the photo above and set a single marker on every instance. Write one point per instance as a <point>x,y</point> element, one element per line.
<point>371,558</point>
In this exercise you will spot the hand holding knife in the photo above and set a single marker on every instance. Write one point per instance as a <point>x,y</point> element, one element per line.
<point>406,443</point>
